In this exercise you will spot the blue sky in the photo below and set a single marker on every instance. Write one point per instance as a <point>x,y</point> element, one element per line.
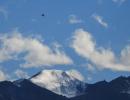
<point>104,23</point>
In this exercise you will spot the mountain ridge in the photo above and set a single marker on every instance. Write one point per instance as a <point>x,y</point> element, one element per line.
<point>24,89</point>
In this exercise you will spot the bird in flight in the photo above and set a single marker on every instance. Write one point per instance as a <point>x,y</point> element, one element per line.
<point>43,14</point>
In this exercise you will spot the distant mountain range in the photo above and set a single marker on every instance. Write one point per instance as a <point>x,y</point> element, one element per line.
<point>60,85</point>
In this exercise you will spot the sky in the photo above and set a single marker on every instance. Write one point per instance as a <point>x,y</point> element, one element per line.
<point>90,37</point>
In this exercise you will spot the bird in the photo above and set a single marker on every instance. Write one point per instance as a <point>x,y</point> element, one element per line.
<point>43,14</point>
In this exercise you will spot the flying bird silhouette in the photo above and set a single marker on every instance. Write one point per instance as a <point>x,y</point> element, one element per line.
<point>43,14</point>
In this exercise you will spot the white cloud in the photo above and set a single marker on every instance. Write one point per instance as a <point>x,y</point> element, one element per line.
<point>57,45</point>
<point>125,56</point>
<point>90,68</point>
<point>4,12</point>
<point>100,20</point>
<point>84,44</point>
<point>73,19</point>
<point>35,53</point>
<point>119,1</point>
<point>3,76</point>
<point>21,74</point>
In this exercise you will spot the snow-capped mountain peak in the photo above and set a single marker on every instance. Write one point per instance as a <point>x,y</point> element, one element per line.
<point>66,83</point>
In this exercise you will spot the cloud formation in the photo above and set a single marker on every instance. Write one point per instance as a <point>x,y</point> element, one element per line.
<point>84,45</point>
<point>125,56</point>
<point>73,19</point>
<point>100,20</point>
<point>119,1</point>
<point>4,12</point>
<point>3,76</point>
<point>21,74</point>
<point>34,52</point>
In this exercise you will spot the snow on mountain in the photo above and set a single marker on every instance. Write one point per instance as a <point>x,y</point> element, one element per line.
<point>67,83</point>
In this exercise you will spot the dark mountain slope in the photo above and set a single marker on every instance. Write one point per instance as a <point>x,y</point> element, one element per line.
<point>25,90</point>
<point>117,89</point>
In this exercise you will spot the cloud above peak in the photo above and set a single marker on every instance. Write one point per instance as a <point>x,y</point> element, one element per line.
<point>3,12</point>
<point>84,45</point>
<point>73,19</point>
<point>21,74</point>
<point>3,76</point>
<point>34,52</point>
<point>119,1</point>
<point>100,20</point>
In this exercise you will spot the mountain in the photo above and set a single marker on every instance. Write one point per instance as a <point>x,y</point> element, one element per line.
<point>121,84</point>
<point>25,90</point>
<point>117,89</point>
<point>60,82</point>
